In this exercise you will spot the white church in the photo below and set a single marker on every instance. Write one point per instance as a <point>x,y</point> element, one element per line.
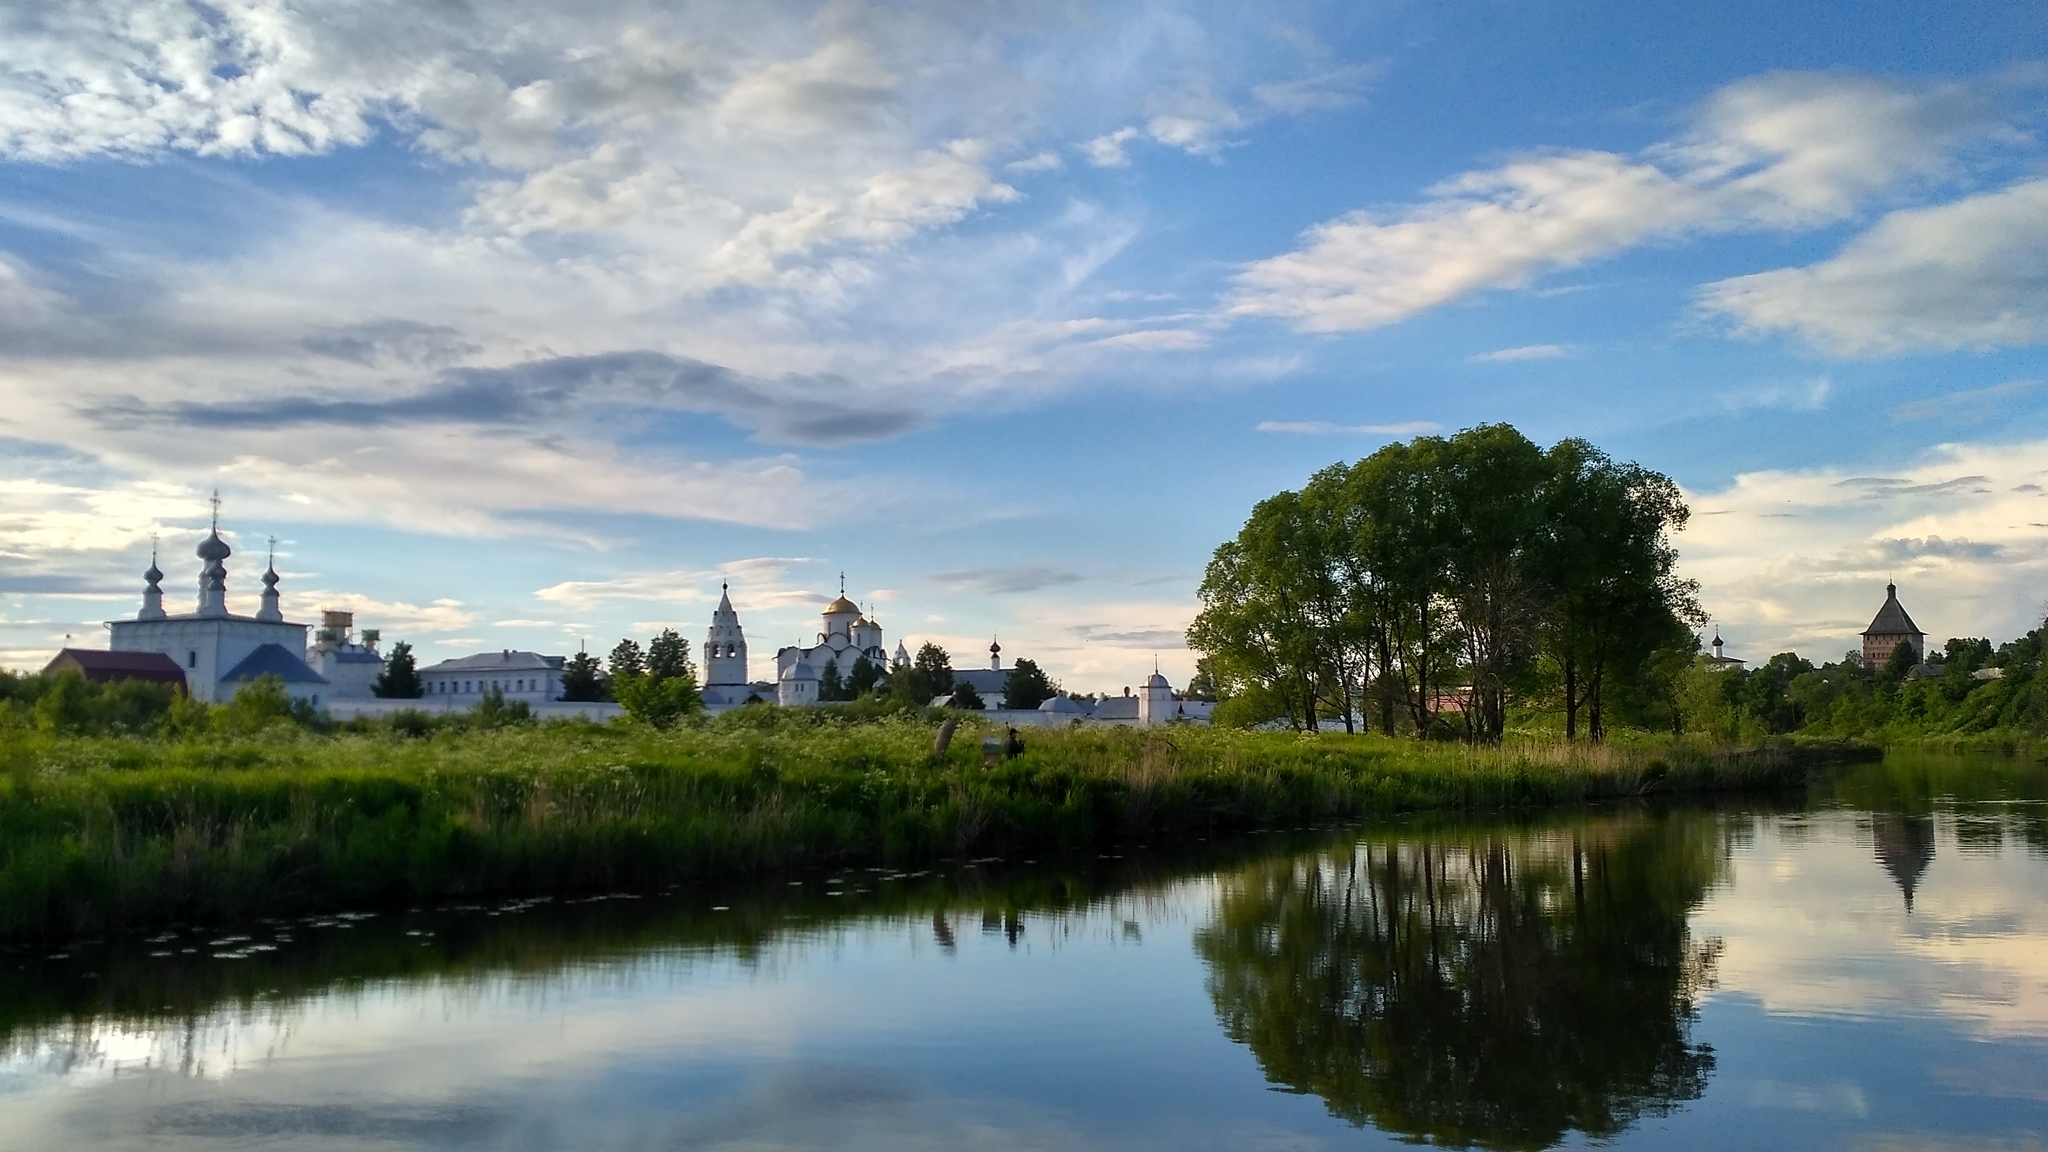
<point>849,634</point>
<point>218,650</point>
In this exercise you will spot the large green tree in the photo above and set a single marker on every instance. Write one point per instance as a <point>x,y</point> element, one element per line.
<point>668,657</point>
<point>1027,685</point>
<point>1608,564</point>
<point>929,675</point>
<point>1433,581</point>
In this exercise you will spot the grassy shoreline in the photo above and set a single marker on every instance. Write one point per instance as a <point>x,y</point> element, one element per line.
<point>107,834</point>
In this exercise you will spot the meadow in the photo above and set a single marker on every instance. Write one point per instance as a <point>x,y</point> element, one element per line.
<point>110,833</point>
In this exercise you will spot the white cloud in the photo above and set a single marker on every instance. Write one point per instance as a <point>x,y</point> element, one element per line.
<point>1107,150</point>
<point>1970,274</point>
<point>1525,352</point>
<point>841,87</point>
<point>1799,559</point>
<point>763,582</point>
<point>1155,340</point>
<point>1047,161</point>
<point>1802,395</point>
<point>1335,88</point>
<point>1326,428</point>
<point>1777,151</point>
<point>395,618</point>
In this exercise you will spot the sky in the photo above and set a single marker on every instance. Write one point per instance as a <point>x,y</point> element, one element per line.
<point>529,325</point>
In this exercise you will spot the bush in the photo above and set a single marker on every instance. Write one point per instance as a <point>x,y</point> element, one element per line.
<point>657,700</point>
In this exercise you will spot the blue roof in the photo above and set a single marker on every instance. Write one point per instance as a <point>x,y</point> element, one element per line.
<point>273,660</point>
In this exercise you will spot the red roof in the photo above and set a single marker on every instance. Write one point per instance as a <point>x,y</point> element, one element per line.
<point>100,666</point>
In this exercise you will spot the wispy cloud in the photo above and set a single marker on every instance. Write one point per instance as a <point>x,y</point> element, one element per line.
<point>1971,274</point>
<point>1782,151</point>
<point>1007,579</point>
<point>1525,352</point>
<point>1969,404</point>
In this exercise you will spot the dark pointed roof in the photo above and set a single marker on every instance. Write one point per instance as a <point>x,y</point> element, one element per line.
<point>1891,620</point>
<point>273,660</point>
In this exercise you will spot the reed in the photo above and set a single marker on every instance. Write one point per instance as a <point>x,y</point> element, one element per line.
<point>108,833</point>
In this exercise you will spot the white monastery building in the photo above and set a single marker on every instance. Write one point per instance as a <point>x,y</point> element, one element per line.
<point>465,680</point>
<point>219,650</point>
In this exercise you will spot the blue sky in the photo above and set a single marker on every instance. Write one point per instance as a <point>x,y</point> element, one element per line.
<point>519,326</point>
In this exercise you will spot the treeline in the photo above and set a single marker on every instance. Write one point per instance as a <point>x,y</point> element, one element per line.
<point>1981,690</point>
<point>1434,584</point>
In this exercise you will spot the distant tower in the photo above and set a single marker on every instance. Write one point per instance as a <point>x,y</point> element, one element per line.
<point>152,590</point>
<point>902,657</point>
<point>995,655</point>
<point>1155,703</point>
<point>270,612</point>
<point>213,578</point>
<point>725,646</point>
<point>1890,629</point>
<point>1717,646</point>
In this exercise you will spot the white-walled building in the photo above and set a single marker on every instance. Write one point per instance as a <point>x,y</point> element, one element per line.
<point>349,666</point>
<point>218,650</point>
<point>465,680</point>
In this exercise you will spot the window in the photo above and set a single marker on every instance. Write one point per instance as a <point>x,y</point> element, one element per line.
<point>191,659</point>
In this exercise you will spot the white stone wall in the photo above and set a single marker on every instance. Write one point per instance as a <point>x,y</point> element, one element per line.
<point>377,708</point>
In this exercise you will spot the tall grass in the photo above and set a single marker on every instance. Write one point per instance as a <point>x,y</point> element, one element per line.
<point>113,833</point>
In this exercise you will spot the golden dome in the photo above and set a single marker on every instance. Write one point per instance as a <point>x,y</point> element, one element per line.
<point>842,605</point>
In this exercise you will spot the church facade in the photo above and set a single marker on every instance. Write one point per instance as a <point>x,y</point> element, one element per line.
<point>218,650</point>
<point>846,636</point>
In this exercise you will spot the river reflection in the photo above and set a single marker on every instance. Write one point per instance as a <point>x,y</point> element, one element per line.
<point>1863,968</point>
<point>1498,987</point>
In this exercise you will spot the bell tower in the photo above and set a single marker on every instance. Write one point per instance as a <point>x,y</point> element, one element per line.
<point>725,646</point>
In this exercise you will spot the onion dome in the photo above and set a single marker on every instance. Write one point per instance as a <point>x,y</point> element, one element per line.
<point>270,578</point>
<point>153,574</point>
<point>842,605</point>
<point>1155,680</point>
<point>214,548</point>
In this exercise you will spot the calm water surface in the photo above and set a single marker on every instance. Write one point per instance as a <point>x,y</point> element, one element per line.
<point>1866,968</point>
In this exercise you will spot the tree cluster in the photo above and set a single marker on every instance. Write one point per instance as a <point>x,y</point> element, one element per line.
<point>659,685</point>
<point>1432,584</point>
<point>1969,688</point>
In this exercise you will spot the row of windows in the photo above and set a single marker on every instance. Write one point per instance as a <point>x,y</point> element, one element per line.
<point>444,687</point>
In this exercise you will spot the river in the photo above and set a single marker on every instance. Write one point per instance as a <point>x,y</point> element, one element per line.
<point>1865,966</point>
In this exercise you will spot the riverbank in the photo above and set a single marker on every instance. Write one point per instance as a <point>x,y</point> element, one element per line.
<point>105,834</point>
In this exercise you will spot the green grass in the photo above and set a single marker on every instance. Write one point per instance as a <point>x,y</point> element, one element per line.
<point>100,834</point>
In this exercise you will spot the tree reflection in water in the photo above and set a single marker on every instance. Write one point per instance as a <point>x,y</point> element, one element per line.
<point>1497,987</point>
